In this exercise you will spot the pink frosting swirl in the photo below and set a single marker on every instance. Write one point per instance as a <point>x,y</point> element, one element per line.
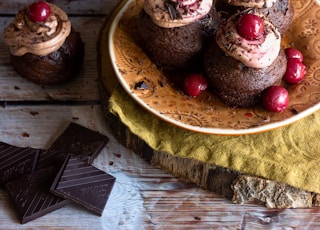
<point>257,53</point>
<point>175,13</point>
<point>24,36</point>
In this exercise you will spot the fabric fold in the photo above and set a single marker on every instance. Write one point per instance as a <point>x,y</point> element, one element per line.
<point>289,154</point>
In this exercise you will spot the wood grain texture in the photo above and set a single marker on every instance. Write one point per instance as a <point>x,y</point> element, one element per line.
<point>144,196</point>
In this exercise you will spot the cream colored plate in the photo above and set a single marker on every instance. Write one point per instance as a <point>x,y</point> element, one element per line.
<point>206,114</point>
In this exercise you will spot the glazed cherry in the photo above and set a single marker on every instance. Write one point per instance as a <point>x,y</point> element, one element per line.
<point>275,98</point>
<point>39,11</point>
<point>250,26</point>
<point>295,71</point>
<point>293,53</point>
<point>194,84</point>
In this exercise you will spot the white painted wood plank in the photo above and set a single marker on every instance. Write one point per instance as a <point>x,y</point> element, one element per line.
<point>143,197</point>
<point>125,207</point>
<point>43,124</point>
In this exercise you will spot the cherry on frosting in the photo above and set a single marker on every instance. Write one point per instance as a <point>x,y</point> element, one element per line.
<point>194,84</point>
<point>275,98</point>
<point>39,11</point>
<point>250,27</point>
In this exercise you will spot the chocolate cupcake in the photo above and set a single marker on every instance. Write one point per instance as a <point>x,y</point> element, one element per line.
<point>279,12</point>
<point>174,33</point>
<point>240,68</point>
<point>44,48</point>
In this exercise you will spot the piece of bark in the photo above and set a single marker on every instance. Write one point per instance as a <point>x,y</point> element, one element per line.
<point>271,193</point>
<point>208,176</point>
<point>315,199</point>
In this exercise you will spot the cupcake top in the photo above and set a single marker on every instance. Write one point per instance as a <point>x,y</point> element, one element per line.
<point>25,35</point>
<point>176,13</point>
<point>255,53</point>
<point>251,3</point>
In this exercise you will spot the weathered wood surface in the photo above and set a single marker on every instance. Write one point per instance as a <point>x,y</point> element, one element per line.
<point>144,197</point>
<point>72,7</point>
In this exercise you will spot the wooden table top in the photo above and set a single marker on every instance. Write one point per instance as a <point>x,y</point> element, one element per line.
<point>144,197</point>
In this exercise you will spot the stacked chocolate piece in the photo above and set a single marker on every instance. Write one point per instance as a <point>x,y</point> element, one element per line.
<point>41,181</point>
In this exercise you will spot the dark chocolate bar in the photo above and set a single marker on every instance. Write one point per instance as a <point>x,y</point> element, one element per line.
<point>31,195</point>
<point>16,161</point>
<point>78,140</point>
<point>83,184</point>
<point>51,158</point>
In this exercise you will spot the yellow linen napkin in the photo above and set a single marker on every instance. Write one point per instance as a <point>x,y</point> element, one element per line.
<point>289,154</point>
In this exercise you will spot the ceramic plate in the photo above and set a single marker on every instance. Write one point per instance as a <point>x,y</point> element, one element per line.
<point>206,114</point>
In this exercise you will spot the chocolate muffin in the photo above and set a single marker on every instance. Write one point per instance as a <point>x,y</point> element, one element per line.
<point>239,70</point>
<point>44,49</point>
<point>236,84</point>
<point>56,67</point>
<point>279,12</point>
<point>175,42</point>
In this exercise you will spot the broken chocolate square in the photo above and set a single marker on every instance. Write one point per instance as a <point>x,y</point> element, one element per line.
<point>78,140</point>
<point>31,195</point>
<point>50,158</point>
<point>16,162</point>
<point>83,184</point>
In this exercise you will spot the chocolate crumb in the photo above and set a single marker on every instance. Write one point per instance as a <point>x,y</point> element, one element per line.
<point>33,113</point>
<point>197,218</point>
<point>172,8</point>
<point>141,85</point>
<point>3,104</point>
<point>161,83</point>
<point>267,119</point>
<point>117,155</point>
<point>25,134</point>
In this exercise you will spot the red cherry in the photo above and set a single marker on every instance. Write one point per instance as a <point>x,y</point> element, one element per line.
<point>275,98</point>
<point>295,71</point>
<point>39,11</point>
<point>250,26</point>
<point>194,84</point>
<point>293,53</point>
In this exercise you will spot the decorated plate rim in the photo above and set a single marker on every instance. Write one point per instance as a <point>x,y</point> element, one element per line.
<point>200,129</point>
